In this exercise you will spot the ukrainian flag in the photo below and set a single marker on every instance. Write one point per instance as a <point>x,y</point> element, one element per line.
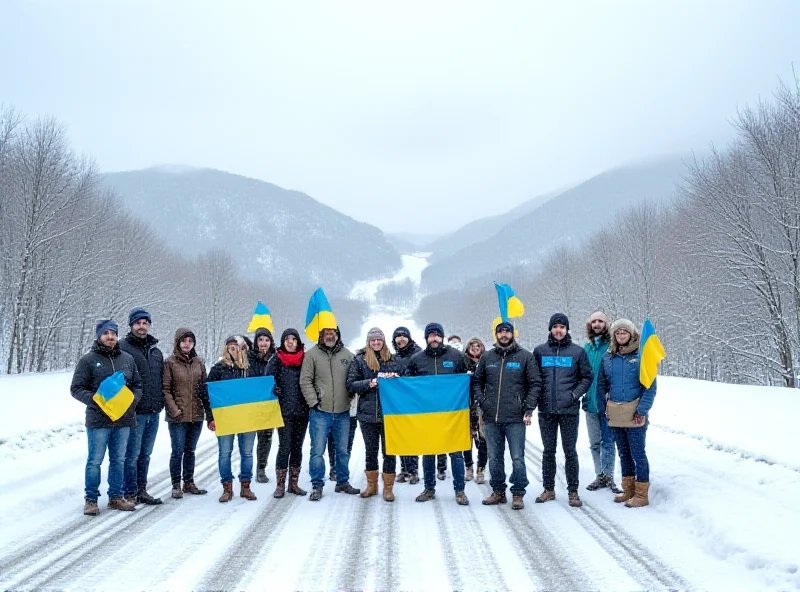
<point>113,396</point>
<point>425,414</point>
<point>261,318</point>
<point>319,315</point>
<point>244,405</point>
<point>510,306</point>
<point>651,352</point>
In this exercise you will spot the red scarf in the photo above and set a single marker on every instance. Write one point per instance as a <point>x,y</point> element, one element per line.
<point>288,359</point>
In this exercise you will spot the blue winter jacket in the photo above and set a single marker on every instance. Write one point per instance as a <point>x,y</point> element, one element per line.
<point>619,379</point>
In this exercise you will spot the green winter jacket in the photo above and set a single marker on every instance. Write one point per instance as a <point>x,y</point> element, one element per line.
<point>595,349</point>
<point>323,378</point>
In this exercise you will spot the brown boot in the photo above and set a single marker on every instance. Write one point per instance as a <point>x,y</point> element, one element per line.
<point>388,487</point>
<point>294,477</point>
<point>497,497</point>
<point>280,486</point>
<point>120,503</point>
<point>468,474</point>
<point>246,492</point>
<point>548,495</point>
<point>177,492</point>
<point>90,508</point>
<point>480,479</point>
<point>461,498</point>
<point>575,499</point>
<point>639,498</point>
<point>628,489</point>
<point>190,487</point>
<point>517,503</point>
<point>372,484</point>
<point>426,495</point>
<point>227,492</point>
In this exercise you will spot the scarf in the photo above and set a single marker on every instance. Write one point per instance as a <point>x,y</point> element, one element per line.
<point>288,359</point>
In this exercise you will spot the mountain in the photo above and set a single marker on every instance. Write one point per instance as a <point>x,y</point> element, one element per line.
<point>569,218</point>
<point>272,233</point>
<point>410,242</point>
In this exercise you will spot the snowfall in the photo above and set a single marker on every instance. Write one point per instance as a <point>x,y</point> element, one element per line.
<point>725,474</point>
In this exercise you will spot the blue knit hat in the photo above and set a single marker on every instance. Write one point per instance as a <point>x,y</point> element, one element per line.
<point>104,325</point>
<point>434,328</point>
<point>137,314</point>
<point>504,326</point>
<point>401,331</point>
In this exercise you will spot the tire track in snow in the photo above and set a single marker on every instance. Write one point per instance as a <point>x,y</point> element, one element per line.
<point>386,559</point>
<point>453,561</point>
<point>351,571</point>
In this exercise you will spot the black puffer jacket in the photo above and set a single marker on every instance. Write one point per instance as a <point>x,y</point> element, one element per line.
<point>92,369</point>
<point>258,363</point>
<point>358,378</point>
<point>404,355</point>
<point>285,367</point>
<point>150,363</point>
<point>565,375</point>
<point>504,384</point>
<point>221,371</point>
<point>432,362</point>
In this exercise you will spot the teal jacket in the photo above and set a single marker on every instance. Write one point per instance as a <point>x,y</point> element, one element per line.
<point>595,350</point>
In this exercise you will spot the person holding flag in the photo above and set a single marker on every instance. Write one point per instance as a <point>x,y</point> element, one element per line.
<point>404,348</point>
<point>259,357</point>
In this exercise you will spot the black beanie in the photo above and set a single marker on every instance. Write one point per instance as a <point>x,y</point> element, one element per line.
<point>401,331</point>
<point>504,326</point>
<point>434,328</point>
<point>558,319</point>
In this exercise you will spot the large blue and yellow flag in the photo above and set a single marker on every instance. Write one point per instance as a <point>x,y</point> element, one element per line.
<point>261,318</point>
<point>425,414</point>
<point>651,352</point>
<point>319,315</point>
<point>113,396</point>
<point>244,405</point>
<point>510,306</point>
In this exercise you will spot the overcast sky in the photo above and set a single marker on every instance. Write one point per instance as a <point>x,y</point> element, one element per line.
<point>415,116</point>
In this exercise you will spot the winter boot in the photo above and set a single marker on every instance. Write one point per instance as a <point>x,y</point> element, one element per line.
<point>90,508</point>
<point>246,492</point>
<point>480,479</point>
<point>426,495</point>
<point>227,492</point>
<point>316,494</point>
<point>497,497</point>
<point>347,488</point>
<point>547,495</point>
<point>517,503</point>
<point>332,474</point>
<point>574,499</point>
<point>280,486</point>
<point>468,474</point>
<point>639,498</point>
<point>388,487</point>
<point>628,489</point>
<point>177,492</point>
<point>294,477</point>
<point>613,487</point>
<point>372,484</point>
<point>261,475</point>
<point>461,499</point>
<point>599,483</point>
<point>402,477</point>
<point>414,479</point>
<point>120,503</point>
<point>145,498</point>
<point>440,475</point>
<point>191,488</point>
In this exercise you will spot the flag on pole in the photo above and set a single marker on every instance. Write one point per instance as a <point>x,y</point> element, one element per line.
<point>113,396</point>
<point>244,405</point>
<point>261,318</point>
<point>510,306</point>
<point>651,352</point>
<point>319,315</point>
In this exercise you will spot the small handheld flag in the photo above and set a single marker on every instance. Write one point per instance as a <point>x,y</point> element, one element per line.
<point>651,352</point>
<point>113,396</point>
<point>261,318</point>
<point>510,306</point>
<point>244,405</point>
<point>319,315</point>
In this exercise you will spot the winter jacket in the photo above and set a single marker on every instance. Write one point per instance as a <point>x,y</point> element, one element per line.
<point>323,378</point>
<point>92,369</point>
<point>258,363</point>
<point>504,384</point>
<point>564,376</point>
<point>287,385</point>
<point>432,362</point>
<point>150,363</point>
<point>404,355</point>
<point>358,379</point>
<point>183,384</point>
<point>619,379</point>
<point>595,348</point>
<point>222,370</point>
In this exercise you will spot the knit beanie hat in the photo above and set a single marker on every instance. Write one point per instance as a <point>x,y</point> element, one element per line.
<point>376,333</point>
<point>599,315</point>
<point>137,314</point>
<point>558,319</point>
<point>401,331</point>
<point>434,328</point>
<point>624,324</point>
<point>504,326</point>
<point>104,325</point>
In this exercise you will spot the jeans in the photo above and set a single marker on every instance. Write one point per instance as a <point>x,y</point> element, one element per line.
<point>632,456</point>
<point>601,443</point>
<point>290,442</point>
<point>141,440</point>
<point>100,439</point>
<point>321,425</point>
<point>184,437</point>
<point>225,443</point>
<point>549,424</point>
<point>373,439</point>
<point>351,438</point>
<point>441,463</point>
<point>263,447</point>
<point>483,455</point>
<point>409,464</point>
<point>456,462</point>
<point>496,436</point>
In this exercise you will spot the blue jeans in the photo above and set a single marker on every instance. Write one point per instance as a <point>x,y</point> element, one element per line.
<point>456,463</point>
<point>601,443</point>
<point>320,424</point>
<point>632,457</point>
<point>225,443</point>
<point>141,440</point>
<point>184,437</point>
<point>100,439</point>
<point>496,435</point>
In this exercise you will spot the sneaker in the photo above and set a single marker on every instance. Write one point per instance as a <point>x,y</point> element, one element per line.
<point>145,498</point>
<point>316,494</point>
<point>426,495</point>
<point>414,479</point>
<point>440,475</point>
<point>517,503</point>
<point>574,499</point>
<point>547,495</point>
<point>461,499</point>
<point>402,477</point>
<point>332,475</point>
<point>90,508</point>
<point>599,483</point>
<point>468,474</point>
<point>480,479</point>
<point>120,503</point>
<point>497,497</point>
<point>346,488</point>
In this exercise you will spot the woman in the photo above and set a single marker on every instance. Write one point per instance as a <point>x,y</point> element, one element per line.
<point>183,381</point>
<point>475,349</point>
<point>362,379</point>
<point>259,356</point>
<point>233,365</point>
<point>627,404</point>
<point>285,367</point>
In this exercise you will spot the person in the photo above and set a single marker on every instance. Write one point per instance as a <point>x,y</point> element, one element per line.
<point>564,376</point>
<point>104,359</point>
<point>285,367</point>
<point>259,357</point>
<point>627,404</point>
<point>454,341</point>
<point>351,436</point>
<point>323,378</point>
<point>504,390</point>
<point>475,349</point>
<point>150,364</point>
<point>183,385</point>
<point>404,348</point>
<point>601,440</point>
<point>370,363</point>
<point>438,358</point>
<point>233,365</point>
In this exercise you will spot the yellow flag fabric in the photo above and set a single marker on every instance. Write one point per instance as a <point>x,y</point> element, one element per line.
<point>651,353</point>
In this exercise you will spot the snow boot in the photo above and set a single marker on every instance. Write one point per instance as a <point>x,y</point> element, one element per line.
<point>574,499</point>
<point>246,492</point>
<point>461,499</point>
<point>261,475</point>
<point>227,492</point>
<point>613,487</point>
<point>414,479</point>
<point>280,485</point>
<point>388,487</point>
<point>90,508</point>
<point>190,487</point>
<point>426,495</point>
<point>440,475</point>
<point>548,495</point>
<point>468,474</point>
<point>599,483</point>
<point>372,484</point>
<point>497,497</point>
<point>294,477</point>
<point>517,503</point>
<point>120,503</point>
<point>480,479</point>
<point>332,475</point>
<point>177,492</point>
<point>639,498</point>
<point>628,489</point>
<point>145,498</point>
<point>402,477</point>
<point>316,494</point>
<point>347,488</point>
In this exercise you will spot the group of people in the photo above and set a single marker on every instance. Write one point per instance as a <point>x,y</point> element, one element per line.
<point>330,391</point>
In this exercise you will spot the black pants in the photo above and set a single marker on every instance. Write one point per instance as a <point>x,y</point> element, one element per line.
<point>332,448</point>
<point>483,454</point>
<point>441,463</point>
<point>409,464</point>
<point>549,424</point>
<point>290,442</point>
<point>373,437</point>
<point>263,447</point>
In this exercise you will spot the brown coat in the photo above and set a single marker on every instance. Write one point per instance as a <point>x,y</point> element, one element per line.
<point>183,376</point>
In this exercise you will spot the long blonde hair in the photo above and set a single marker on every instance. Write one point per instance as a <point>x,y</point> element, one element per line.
<point>240,360</point>
<point>372,359</point>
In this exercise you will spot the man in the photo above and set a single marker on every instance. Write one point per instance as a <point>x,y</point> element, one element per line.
<point>453,341</point>
<point>258,357</point>
<point>323,378</point>
<point>438,358</point>
<point>564,376</point>
<point>103,433</point>
<point>601,440</point>
<point>404,348</point>
<point>504,391</point>
<point>150,364</point>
